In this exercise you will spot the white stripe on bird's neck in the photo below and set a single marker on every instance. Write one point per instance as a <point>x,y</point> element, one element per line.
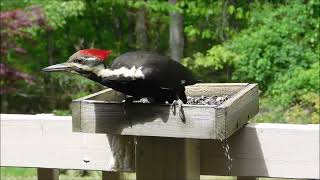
<point>121,73</point>
<point>114,74</point>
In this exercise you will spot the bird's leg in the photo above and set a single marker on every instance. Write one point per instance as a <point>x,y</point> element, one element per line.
<point>180,110</point>
<point>126,101</point>
<point>181,98</point>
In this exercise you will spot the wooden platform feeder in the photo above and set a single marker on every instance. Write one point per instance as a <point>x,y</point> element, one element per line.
<point>102,112</point>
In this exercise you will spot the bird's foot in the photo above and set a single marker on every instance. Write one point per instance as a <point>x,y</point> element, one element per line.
<point>127,101</point>
<point>173,107</point>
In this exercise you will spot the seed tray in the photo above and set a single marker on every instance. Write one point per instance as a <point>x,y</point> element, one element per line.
<point>103,112</point>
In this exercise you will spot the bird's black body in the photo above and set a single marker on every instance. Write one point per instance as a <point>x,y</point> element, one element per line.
<point>164,79</point>
<point>138,74</point>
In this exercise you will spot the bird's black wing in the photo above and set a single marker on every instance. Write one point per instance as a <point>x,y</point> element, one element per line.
<point>157,68</point>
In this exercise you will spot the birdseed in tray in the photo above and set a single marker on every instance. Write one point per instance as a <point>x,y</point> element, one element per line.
<point>197,100</point>
<point>207,100</point>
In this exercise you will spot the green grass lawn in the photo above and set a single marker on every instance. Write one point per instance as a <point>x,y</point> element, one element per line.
<point>18,172</point>
<point>10,173</point>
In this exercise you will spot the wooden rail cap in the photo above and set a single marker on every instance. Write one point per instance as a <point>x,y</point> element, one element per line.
<point>260,150</point>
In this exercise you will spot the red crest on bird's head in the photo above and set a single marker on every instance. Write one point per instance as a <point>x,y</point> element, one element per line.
<point>97,53</point>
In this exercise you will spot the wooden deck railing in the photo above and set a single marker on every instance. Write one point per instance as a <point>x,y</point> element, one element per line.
<point>257,150</point>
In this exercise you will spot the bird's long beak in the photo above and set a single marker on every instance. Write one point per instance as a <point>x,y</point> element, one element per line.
<point>57,67</point>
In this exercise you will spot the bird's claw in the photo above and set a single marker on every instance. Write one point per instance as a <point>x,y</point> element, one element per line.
<point>180,110</point>
<point>125,103</point>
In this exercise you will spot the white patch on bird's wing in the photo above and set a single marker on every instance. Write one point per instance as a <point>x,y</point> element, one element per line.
<point>123,72</point>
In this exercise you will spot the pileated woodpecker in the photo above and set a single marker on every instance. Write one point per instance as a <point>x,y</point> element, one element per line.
<point>138,74</point>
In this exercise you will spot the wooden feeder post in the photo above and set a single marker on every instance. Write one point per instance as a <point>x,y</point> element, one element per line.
<point>48,174</point>
<point>167,158</point>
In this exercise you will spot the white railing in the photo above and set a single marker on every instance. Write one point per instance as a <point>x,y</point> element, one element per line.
<point>257,150</point>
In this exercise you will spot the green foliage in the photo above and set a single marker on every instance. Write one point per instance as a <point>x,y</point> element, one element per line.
<point>61,112</point>
<point>57,11</point>
<point>216,59</point>
<point>64,88</point>
<point>12,5</point>
<point>209,23</point>
<point>272,43</point>
<point>290,87</point>
<point>280,51</point>
<point>306,110</point>
<point>155,5</point>
<point>312,102</point>
<point>210,19</point>
<point>276,42</point>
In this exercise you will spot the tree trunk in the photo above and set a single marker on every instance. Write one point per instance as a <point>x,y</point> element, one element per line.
<point>224,22</point>
<point>50,46</point>
<point>141,29</point>
<point>47,78</point>
<point>176,34</point>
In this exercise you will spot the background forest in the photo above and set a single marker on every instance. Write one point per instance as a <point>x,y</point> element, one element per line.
<point>274,43</point>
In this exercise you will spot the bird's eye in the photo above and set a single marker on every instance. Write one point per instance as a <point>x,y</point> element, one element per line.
<point>80,61</point>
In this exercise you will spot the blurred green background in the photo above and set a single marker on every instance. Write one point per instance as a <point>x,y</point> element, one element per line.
<point>274,43</point>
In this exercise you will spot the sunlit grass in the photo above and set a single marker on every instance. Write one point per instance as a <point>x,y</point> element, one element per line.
<point>18,172</point>
<point>11,173</point>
